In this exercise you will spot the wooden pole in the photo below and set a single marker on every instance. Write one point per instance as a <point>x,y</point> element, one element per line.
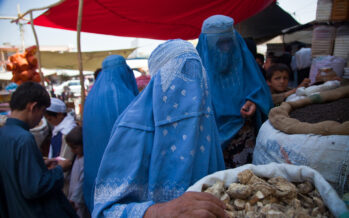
<point>82,80</point>
<point>21,16</point>
<point>38,54</point>
<point>20,28</point>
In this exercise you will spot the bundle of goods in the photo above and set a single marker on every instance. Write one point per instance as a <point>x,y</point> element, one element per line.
<point>346,73</point>
<point>313,131</point>
<point>323,64</point>
<point>341,45</point>
<point>322,40</point>
<point>273,190</point>
<point>23,66</point>
<point>303,92</point>
<point>323,10</point>
<point>340,10</point>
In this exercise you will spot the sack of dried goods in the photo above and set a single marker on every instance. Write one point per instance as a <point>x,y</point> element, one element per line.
<point>273,190</point>
<point>313,132</point>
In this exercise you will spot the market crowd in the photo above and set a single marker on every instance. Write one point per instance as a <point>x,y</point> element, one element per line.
<point>136,153</point>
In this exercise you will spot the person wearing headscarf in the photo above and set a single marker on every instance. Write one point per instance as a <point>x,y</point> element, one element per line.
<point>164,142</point>
<point>240,95</point>
<point>112,92</point>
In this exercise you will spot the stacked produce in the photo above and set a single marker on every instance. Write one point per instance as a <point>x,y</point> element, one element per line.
<point>273,197</point>
<point>23,66</point>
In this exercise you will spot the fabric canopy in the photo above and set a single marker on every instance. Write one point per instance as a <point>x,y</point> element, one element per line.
<point>68,60</point>
<point>156,19</point>
<point>266,24</point>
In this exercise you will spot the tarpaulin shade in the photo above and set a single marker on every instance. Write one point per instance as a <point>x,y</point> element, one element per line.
<point>266,24</point>
<point>156,19</point>
<point>68,60</point>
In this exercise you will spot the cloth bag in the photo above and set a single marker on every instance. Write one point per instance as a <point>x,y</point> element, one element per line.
<point>290,172</point>
<point>329,155</point>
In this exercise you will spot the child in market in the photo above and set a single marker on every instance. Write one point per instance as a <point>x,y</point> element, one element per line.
<point>277,79</point>
<point>75,195</point>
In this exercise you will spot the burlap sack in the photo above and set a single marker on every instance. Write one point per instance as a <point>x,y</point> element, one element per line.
<point>280,119</point>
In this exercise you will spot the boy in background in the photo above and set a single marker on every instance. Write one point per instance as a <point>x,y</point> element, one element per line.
<point>27,187</point>
<point>277,79</point>
<point>75,195</point>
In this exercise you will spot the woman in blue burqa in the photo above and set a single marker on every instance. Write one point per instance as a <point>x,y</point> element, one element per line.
<point>114,89</point>
<point>240,96</point>
<point>164,141</point>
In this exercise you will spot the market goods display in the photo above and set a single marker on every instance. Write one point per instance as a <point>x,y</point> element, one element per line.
<point>23,66</point>
<point>313,131</point>
<point>280,119</point>
<point>265,197</point>
<point>273,190</point>
<point>335,111</point>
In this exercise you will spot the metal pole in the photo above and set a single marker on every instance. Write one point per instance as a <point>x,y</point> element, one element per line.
<point>37,50</point>
<point>82,80</point>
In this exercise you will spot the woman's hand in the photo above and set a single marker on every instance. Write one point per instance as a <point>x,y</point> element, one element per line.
<point>189,205</point>
<point>248,109</point>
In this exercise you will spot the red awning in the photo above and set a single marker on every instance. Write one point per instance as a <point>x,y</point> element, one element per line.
<point>155,19</point>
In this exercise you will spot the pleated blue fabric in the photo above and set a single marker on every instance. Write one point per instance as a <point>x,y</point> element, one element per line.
<point>233,73</point>
<point>112,92</point>
<point>165,140</point>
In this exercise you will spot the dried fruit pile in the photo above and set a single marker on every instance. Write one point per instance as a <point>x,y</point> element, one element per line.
<point>23,66</point>
<point>274,197</point>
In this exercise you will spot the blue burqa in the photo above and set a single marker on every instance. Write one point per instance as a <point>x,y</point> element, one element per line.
<point>234,75</point>
<point>164,141</point>
<point>112,92</point>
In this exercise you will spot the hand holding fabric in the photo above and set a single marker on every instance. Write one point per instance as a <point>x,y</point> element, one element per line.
<point>190,204</point>
<point>248,109</point>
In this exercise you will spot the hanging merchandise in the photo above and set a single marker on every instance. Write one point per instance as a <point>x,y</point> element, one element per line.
<point>340,10</point>
<point>23,66</point>
<point>323,11</point>
<point>341,45</point>
<point>322,41</point>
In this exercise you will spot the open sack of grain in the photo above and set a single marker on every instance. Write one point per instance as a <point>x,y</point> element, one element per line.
<point>323,145</point>
<point>269,193</point>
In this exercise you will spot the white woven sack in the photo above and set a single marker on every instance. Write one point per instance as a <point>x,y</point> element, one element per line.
<point>290,172</point>
<point>329,155</point>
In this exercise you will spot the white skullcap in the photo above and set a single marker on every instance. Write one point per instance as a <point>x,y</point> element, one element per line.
<point>57,106</point>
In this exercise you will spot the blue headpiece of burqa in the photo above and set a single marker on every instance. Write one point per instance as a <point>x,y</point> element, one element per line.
<point>234,76</point>
<point>165,140</point>
<point>111,93</point>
